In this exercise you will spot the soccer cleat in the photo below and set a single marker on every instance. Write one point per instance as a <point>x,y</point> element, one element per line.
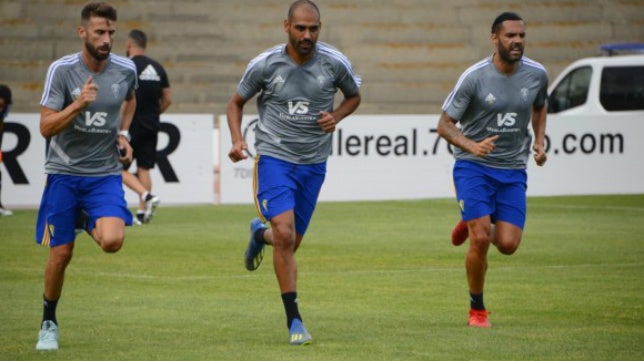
<point>139,218</point>
<point>48,336</point>
<point>255,251</point>
<point>5,212</point>
<point>298,335</point>
<point>151,203</point>
<point>459,233</point>
<point>478,318</point>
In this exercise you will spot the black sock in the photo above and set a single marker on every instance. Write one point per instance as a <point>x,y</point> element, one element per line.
<point>290,306</point>
<point>476,301</point>
<point>259,235</point>
<point>49,310</point>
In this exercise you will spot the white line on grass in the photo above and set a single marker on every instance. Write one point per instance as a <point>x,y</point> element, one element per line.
<point>346,272</point>
<point>602,208</point>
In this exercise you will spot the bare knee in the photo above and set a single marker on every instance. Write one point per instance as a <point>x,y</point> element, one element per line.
<point>60,256</point>
<point>507,238</point>
<point>111,245</point>
<point>283,237</point>
<point>507,248</point>
<point>480,240</point>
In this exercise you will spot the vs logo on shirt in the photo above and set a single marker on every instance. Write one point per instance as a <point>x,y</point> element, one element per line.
<point>97,119</point>
<point>507,119</point>
<point>298,107</point>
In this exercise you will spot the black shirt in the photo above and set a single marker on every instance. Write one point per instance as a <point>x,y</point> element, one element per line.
<point>152,79</point>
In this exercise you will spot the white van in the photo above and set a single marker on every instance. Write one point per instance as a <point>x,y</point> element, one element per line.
<point>601,85</point>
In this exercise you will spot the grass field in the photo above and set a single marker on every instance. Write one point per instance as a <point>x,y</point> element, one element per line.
<point>377,281</point>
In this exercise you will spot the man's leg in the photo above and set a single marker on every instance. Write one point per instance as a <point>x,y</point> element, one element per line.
<point>476,266</point>
<point>144,176</point>
<point>59,258</point>
<point>506,237</point>
<point>285,241</point>
<point>109,233</point>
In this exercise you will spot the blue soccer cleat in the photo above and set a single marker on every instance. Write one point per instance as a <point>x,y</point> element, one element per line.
<point>255,251</point>
<point>298,335</point>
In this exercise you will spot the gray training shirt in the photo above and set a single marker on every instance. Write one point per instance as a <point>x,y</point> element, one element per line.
<point>292,97</point>
<point>88,145</point>
<point>487,102</point>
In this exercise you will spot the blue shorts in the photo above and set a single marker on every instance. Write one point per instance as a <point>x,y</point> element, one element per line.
<point>66,195</point>
<point>281,186</point>
<point>483,190</point>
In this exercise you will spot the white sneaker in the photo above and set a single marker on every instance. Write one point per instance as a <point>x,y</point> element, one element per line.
<point>48,337</point>
<point>5,212</point>
<point>151,203</point>
<point>139,218</point>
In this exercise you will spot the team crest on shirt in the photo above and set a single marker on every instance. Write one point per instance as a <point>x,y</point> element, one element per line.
<point>524,94</point>
<point>321,80</point>
<point>116,90</point>
<point>490,99</point>
<point>76,93</point>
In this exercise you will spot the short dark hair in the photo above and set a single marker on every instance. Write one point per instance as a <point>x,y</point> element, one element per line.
<point>98,9</point>
<point>5,93</point>
<point>496,25</point>
<point>139,38</point>
<point>299,3</point>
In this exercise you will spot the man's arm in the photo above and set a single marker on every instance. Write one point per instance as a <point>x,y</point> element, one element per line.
<point>234,112</point>
<point>53,121</point>
<point>539,128</point>
<point>166,99</point>
<point>127,113</point>
<point>448,130</point>
<point>328,120</point>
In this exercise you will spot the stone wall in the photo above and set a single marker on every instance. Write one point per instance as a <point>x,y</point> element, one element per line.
<point>409,52</point>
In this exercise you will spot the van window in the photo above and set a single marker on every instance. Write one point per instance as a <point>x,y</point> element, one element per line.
<point>572,91</point>
<point>622,88</point>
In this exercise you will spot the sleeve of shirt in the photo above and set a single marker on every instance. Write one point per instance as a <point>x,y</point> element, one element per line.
<point>134,81</point>
<point>542,96</point>
<point>459,99</point>
<point>252,81</point>
<point>165,82</point>
<point>346,79</point>
<point>54,92</point>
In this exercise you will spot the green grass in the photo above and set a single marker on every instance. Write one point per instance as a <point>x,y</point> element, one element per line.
<point>377,281</point>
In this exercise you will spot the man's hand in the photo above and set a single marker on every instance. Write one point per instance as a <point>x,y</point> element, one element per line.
<point>238,151</point>
<point>327,122</point>
<point>125,150</point>
<point>88,93</point>
<point>539,154</point>
<point>484,147</point>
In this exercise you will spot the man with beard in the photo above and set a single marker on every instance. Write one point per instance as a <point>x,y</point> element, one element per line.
<point>86,110</point>
<point>297,82</point>
<point>494,101</point>
<point>153,97</point>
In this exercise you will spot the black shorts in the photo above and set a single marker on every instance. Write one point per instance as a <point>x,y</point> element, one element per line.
<point>144,145</point>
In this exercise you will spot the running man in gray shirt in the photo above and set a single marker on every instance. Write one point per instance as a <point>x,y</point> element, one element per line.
<point>86,110</point>
<point>296,82</point>
<point>494,101</point>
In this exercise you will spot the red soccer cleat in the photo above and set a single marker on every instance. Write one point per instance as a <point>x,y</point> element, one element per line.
<point>478,318</point>
<point>459,233</point>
